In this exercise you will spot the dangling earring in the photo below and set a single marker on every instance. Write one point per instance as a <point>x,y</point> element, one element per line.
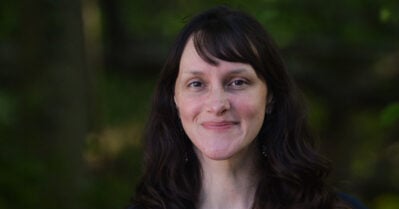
<point>268,110</point>
<point>264,150</point>
<point>185,157</point>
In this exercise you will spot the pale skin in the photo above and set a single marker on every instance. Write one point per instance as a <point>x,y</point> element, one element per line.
<point>222,108</point>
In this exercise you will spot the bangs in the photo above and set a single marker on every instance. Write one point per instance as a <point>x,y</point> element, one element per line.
<point>217,40</point>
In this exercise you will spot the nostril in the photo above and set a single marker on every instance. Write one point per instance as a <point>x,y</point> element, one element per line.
<point>218,106</point>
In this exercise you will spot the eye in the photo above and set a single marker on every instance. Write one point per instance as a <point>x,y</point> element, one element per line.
<point>195,84</point>
<point>238,83</point>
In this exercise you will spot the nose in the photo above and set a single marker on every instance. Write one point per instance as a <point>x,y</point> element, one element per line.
<point>217,101</point>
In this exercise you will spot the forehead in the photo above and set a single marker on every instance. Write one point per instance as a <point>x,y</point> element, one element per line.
<point>192,61</point>
<point>189,55</point>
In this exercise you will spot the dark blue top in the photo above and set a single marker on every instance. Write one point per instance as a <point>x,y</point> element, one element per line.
<point>351,201</point>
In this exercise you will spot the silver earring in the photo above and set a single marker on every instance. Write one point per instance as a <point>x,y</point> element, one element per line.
<point>185,157</point>
<point>268,110</point>
<point>264,152</point>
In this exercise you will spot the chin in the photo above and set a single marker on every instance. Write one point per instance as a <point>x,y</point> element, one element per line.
<point>218,155</point>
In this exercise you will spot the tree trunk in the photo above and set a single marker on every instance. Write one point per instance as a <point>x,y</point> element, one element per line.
<point>53,63</point>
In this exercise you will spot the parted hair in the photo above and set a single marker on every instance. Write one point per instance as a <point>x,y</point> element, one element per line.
<point>292,175</point>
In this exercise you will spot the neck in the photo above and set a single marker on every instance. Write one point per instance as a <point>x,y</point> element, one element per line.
<point>230,183</point>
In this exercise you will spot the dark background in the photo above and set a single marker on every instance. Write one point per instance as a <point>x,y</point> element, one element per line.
<point>76,78</point>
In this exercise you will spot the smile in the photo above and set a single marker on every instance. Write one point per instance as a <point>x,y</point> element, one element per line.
<point>219,125</point>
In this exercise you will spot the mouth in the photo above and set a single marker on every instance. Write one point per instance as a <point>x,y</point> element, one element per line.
<point>222,125</point>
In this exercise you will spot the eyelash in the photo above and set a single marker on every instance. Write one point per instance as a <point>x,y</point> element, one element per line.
<point>241,81</point>
<point>233,83</point>
<point>192,84</point>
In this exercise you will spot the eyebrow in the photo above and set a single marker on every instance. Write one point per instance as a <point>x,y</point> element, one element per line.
<point>234,71</point>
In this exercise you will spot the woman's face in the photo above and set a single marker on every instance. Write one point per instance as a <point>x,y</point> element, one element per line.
<point>221,107</point>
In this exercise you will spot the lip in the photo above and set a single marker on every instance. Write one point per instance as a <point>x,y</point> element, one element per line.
<point>218,125</point>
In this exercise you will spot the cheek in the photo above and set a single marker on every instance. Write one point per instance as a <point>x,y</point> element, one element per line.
<point>250,108</point>
<point>188,109</point>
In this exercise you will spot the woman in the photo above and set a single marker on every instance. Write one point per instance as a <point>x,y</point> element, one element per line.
<point>227,128</point>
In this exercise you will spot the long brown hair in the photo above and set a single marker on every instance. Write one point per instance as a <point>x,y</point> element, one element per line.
<point>293,175</point>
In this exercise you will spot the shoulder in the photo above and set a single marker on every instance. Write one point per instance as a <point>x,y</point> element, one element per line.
<point>351,201</point>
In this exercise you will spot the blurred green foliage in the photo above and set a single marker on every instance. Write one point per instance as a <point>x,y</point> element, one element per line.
<point>7,109</point>
<point>125,100</point>
<point>387,201</point>
<point>390,115</point>
<point>76,79</point>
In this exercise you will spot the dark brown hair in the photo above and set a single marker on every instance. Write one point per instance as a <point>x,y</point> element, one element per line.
<point>293,175</point>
